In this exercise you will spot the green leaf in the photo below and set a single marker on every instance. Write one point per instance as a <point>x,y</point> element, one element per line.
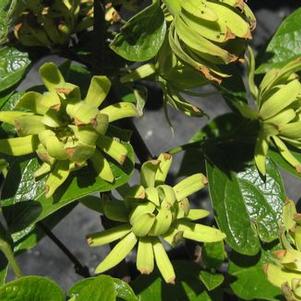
<point>213,254</point>
<point>248,280</point>
<point>102,288</point>
<point>24,202</point>
<point>13,65</point>
<point>211,280</point>
<point>124,291</point>
<point>142,36</point>
<point>188,287</point>
<point>31,288</point>
<point>247,207</point>
<point>285,44</point>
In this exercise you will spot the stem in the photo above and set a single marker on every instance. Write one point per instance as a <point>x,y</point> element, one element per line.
<point>9,254</point>
<point>79,268</point>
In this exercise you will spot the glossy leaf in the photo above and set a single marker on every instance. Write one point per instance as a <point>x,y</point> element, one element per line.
<point>24,202</point>
<point>102,288</point>
<point>248,280</point>
<point>13,65</point>
<point>31,288</point>
<point>211,280</point>
<point>142,36</point>
<point>247,207</point>
<point>285,44</point>
<point>188,286</point>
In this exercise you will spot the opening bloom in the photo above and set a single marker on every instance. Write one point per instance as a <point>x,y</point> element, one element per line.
<point>150,213</point>
<point>64,130</point>
<point>287,273</point>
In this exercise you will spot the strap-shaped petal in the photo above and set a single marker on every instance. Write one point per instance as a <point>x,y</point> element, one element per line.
<point>281,99</point>
<point>29,125</point>
<point>162,222</point>
<point>163,168</point>
<point>98,90</point>
<point>291,130</point>
<point>120,110</point>
<point>108,236</point>
<point>57,177</point>
<point>51,76</point>
<point>145,256</point>
<point>286,153</point>
<point>19,146</point>
<point>261,150</point>
<point>101,123</point>
<point>34,102</point>
<point>195,214</point>
<point>42,170</point>
<point>164,265</point>
<point>102,167</point>
<point>80,152</point>
<point>148,173</point>
<point>113,148</point>
<point>10,116</point>
<point>190,185</point>
<point>200,232</point>
<point>118,253</point>
<point>85,134</point>
<point>82,113</point>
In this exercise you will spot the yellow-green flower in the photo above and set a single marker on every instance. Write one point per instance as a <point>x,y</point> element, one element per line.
<point>206,34</point>
<point>65,130</point>
<point>151,213</point>
<point>286,272</point>
<point>278,100</point>
<point>51,24</point>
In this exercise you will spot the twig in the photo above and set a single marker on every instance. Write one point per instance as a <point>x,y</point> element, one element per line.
<point>79,268</point>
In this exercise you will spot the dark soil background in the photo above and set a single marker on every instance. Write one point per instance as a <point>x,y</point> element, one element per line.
<point>46,258</point>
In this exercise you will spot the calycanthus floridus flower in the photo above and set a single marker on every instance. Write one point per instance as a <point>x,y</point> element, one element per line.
<point>286,272</point>
<point>206,34</point>
<point>278,100</point>
<point>50,23</point>
<point>64,130</point>
<point>151,213</point>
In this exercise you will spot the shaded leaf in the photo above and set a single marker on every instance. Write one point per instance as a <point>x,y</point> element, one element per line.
<point>248,280</point>
<point>188,287</point>
<point>142,36</point>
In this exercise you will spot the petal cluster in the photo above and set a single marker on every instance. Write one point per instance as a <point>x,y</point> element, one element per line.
<point>51,24</point>
<point>64,130</point>
<point>151,213</point>
<point>279,107</point>
<point>286,273</point>
<point>209,33</point>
